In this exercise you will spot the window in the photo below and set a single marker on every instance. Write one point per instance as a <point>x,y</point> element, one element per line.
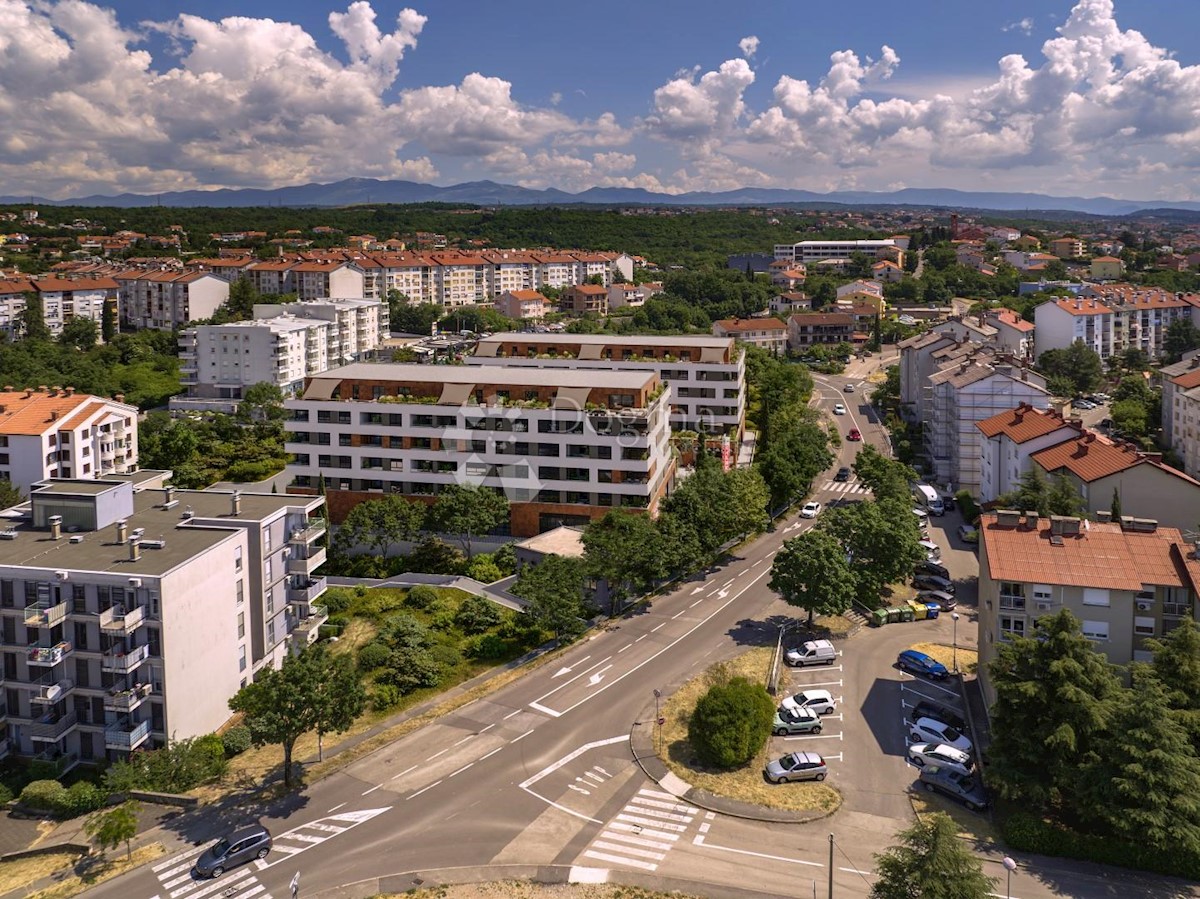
<point>241,625</point>
<point>1143,627</point>
<point>1012,595</point>
<point>237,558</point>
<point>1011,626</point>
<point>1095,596</point>
<point>241,658</point>
<point>1095,630</point>
<point>270,633</point>
<point>268,571</point>
<point>241,592</point>
<point>270,600</point>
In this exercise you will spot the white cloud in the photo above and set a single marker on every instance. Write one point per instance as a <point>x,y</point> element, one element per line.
<point>688,108</point>
<point>748,46</point>
<point>1025,26</point>
<point>555,98</point>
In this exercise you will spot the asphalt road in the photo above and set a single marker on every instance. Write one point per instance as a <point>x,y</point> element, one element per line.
<point>541,772</point>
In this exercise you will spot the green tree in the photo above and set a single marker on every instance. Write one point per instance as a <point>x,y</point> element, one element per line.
<point>242,297</point>
<point>731,723</point>
<point>554,589</point>
<point>882,539</point>
<point>165,443</point>
<point>1133,387</point>
<point>468,511</point>
<point>80,333</point>
<point>1177,666</point>
<point>1054,697</point>
<point>115,826</point>
<point>623,549</point>
<point>930,862</point>
<point>9,495</point>
<point>262,402</point>
<point>1115,508</point>
<point>1181,337</point>
<point>811,572</point>
<point>340,697</point>
<point>1064,497</point>
<point>380,523</point>
<point>748,500</point>
<point>797,453</point>
<point>885,478</point>
<point>1129,416</point>
<point>33,321</point>
<point>477,614</point>
<point>1077,364</point>
<point>108,322</point>
<point>415,318</point>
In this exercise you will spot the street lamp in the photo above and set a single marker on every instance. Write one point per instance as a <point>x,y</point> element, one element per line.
<point>954,618</point>
<point>1009,866</point>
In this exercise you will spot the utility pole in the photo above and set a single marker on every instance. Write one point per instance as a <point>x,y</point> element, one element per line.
<point>831,866</point>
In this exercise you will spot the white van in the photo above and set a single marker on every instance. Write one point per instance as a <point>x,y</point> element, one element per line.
<point>812,652</point>
<point>927,498</point>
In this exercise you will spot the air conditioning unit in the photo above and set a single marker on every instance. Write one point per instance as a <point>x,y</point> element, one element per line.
<point>1143,606</point>
<point>1043,606</point>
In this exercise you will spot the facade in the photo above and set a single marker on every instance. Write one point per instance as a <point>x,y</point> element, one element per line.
<point>1127,581</point>
<point>1060,323</point>
<point>820,328</point>
<point>625,294</point>
<point>918,361</point>
<point>64,299</point>
<point>166,300</point>
<point>789,302</point>
<point>1107,268</point>
<point>338,280</point>
<point>58,433</point>
<point>584,298</point>
<point>707,374</point>
<point>861,292</point>
<point>1067,247</point>
<point>1181,410</point>
<point>131,616</point>
<point>565,446</point>
<point>809,251</point>
<point>1111,318</point>
<point>521,304</point>
<point>1013,334</point>
<point>767,333</point>
<point>357,326</point>
<point>1009,441</point>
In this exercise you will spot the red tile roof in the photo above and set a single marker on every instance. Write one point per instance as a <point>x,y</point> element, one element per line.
<point>37,412</point>
<point>1187,380</point>
<point>1022,423</point>
<point>734,325</point>
<point>1014,321</point>
<point>1092,457</point>
<point>1081,306</point>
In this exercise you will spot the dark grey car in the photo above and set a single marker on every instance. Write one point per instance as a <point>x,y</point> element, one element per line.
<point>966,788</point>
<point>239,847</point>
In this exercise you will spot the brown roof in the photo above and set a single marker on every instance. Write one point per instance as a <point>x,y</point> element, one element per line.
<point>526,295</point>
<point>1022,423</point>
<point>7,287</point>
<point>1014,321</point>
<point>37,412</point>
<point>825,318</point>
<point>1081,306</point>
<point>1103,556</point>
<point>594,289</point>
<point>1188,380</point>
<point>1092,457</point>
<point>49,285</point>
<point>751,324</point>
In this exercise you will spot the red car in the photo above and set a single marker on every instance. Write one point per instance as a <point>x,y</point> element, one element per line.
<point>854,434</point>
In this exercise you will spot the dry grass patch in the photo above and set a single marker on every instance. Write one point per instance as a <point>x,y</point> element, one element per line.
<point>24,871</point>
<point>834,625</point>
<point>514,889</point>
<point>90,873</point>
<point>968,659</point>
<point>971,825</point>
<point>357,634</point>
<point>746,784</point>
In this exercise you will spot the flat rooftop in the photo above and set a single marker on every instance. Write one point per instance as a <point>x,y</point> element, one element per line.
<point>561,541</point>
<point>697,340</point>
<point>486,374</point>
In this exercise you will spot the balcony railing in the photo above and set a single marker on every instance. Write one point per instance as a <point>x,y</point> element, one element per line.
<point>127,700</point>
<point>49,655</point>
<point>124,662</point>
<point>308,534</point>
<point>306,591</point>
<point>119,620</point>
<point>1012,602</point>
<point>60,762</point>
<point>52,728</point>
<point>306,566</point>
<point>52,690</point>
<point>126,737</point>
<point>308,627</point>
<point>46,613</point>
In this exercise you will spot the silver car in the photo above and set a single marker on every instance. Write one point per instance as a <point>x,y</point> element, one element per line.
<point>796,766</point>
<point>942,755</point>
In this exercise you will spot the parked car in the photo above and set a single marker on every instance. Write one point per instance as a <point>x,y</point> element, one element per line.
<point>854,436</point>
<point>933,582</point>
<point>922,754</point>
<point>944,601</point>
<point>237,848</point>
<point>796,766</point>
<point>812,652</point>
<point>796,721</point>
<point>968,534</point>
<point>966,788</point>
<point>820,701</point>
<point>919,663</point>
<point>849,388</point>
<point>948,503</point>
<point>1085,404</point>
<point>839,409</point>
<point>811,509</point>
<point>937,568</point>
<point>933,552</point>
<point>926,708</point>
<point>843,474</point>
<point>927,730</point>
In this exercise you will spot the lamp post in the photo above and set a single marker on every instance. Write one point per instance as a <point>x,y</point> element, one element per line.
<point>658,722</point>
<point>1009,865</point>
<point>954,618</point>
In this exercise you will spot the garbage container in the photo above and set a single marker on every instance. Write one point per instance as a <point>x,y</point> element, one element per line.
<point>920,610</point>
<point>906,613</point>
<point>893,614</point>
<point>932,609</point>
<point>879,617</point>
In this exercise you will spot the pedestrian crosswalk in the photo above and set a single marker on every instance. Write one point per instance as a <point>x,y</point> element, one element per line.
<point>846,487</point>
<point>644,831</point>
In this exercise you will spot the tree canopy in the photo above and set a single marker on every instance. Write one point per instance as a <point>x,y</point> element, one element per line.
<point>554,589</point>
<point>930,862</point>
<point>811,572</point>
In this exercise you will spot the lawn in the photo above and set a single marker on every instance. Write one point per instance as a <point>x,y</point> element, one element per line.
<point>24,871</point>
<point>513,889</point>
<point>968,659</point>
<point>94,871</point>
<point>746,784</point>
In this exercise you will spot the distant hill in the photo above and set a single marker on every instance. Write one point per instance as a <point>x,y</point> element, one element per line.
<point>359,191</point>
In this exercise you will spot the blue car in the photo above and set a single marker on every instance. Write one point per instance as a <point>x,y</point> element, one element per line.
<point>918,663</point>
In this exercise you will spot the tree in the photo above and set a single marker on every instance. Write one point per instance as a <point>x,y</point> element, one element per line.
<point>881,538</point>
<point>1177,666</point>
<point>108,322</point>
<point>9,495</point>
<point>415,318</point>
<point>811,572</point>
<point>262,402</point>
<point>280,705</point>
<point>33,321</point>
<point>1115,508</point>
<point>930,863</point>
<point>1054,696</point>
<point>166,443</point>
<point>886,478</point>
<point>379,523</point>
<point>731,723</point>
<point>340,697</point>
<point>115,826</point>
<point>1064,498</point>
<point>242,297</point>
<point>467,511</point>
<point>1129,417</point>
<point>748,500</point>
<point>1077,364</point>
<point>80,333</point>
<point>623,549</point>
<point>797,453</point>
<point>1181,337</point>
<point>554,589</point>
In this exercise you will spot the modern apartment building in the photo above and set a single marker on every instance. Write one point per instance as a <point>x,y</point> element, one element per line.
<point>130,614</point>
<point>819,329</point>
<point>57,433</point>
<point>565,446</point>
<point>314,280</point>
<point>766,333</point>
<point>1111,318</point>
<point>1181,410</point>
<point>166,300</point>
<point>1126,581</point>
<point>707,374</point>
<point>813,251</point>
<point>357,326</point>
<point>62,299</point>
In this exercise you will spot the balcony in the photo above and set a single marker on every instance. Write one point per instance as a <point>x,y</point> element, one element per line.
<point>306,591</point>
<point>126,737</point>
<point>125,701</point>
<point>51,691</point>
<point>53,727</point>
<point>308,626</point>
<point>5,748</point>
<point>59,762</point>
<point>49,655</point>
<point>121,621</point>
<point>308,534</point>
<point>46,613</point>
<point>307,565</point>
<point>124,662</point>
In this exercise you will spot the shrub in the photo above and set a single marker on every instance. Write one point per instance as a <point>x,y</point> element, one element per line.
<point>173,769</point>
<point>422,597</point>
<point>731,723</point>
<point>236,740</point>
<point>377,603</point>
<point>477,614</point>
<point>410,668</point>
<point>485,646</point>
<point>442,621</point>
<point>384,697</point>
<point>966,504</point>
<point>484,570</point>
<point>46,795</point>
<point>338,621</point>
<point>327,630</point>
<point>372,656</point>
<point>82,798</point>
<point>435,556</point>
<point>6,795</point>
<point>505,558</point>
<point>336,600</point>
<point>447,657</point>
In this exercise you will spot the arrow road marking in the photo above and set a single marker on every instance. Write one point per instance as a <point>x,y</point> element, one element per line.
<point>599,675</point>
<point>568,668</point>
<point>566,760</point>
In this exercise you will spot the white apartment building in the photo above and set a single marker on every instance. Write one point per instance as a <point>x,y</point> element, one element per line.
<point>1111,318</point>
<point>510,271</point>
<point>565,446</point>
<point>1013,334</point>
<point>63,299</point>
<point>768,333</point>
<point>1010,439</point>
<point>707,374</point>
<point>130,615</point>
<point>461,279</point>
<point>271,278</point>
<point>809,251</point>
<point>314,280</point>
<point>522,304</point>
<point>408,273</point>
<point>1181,410</point>
<point>359,325</point>
<point>58,433</point>
<point>165,300</point>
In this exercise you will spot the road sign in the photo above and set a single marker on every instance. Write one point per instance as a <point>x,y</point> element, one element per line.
<point>295,885</point>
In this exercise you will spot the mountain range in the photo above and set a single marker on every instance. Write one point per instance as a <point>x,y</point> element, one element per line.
<point>360,191</point>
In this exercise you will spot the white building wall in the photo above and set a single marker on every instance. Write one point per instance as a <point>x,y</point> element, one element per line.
<point>202,298</point>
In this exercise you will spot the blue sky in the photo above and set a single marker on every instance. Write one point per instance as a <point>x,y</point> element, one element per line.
<point>1086,97</point>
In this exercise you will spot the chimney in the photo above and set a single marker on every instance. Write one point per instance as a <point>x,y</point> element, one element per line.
<point>69,391</point>
<point>1031,519</point>
<point>168,494</point>
<point>55,527</point>
<point>1103,516</point>
<point>135,549</point>
<point>236,503</point>
<point>53,391</point>
<point>122,531</point>
<point>1008,518</point>
<point>120,397</point>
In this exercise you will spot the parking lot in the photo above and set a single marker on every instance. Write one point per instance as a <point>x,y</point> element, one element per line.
<point>830,742</point>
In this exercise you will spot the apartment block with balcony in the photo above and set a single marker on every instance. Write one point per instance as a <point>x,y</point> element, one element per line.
<point>166,300</point>
<point>1181,410</point>
<point>358,325</point>
<point>63,299</point>
<point>130,615</point>
<point>1111,318</point>
<point>769,334</point>
<point>1127,581</point>
<point>707,374</point>
<point>565,446</point>
<point>58,433</point>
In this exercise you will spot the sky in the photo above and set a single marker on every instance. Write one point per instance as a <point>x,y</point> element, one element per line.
<point>1099,98</point>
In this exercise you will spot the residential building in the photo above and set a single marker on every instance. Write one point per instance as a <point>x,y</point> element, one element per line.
<point>1126,581</point>
<point>707,374</point>
<point>57,433</point>
<point>1010,440</point>
<point>1013,334</point>
<point>1107,268</point>
<point>358,325</point>
<point>272,277</point>
<point>1066,320</point>
<point>1111,318</point>
<point>887,272</point>
<point>522,304</point>
<point>1067,247</point>
<point>767,333</point>
<point>809,251</point>
<point>857,292</point>
<point>919,359</point>
<point>584,298</point>
<point>622,295</point>
<point>64,299</point>
<point>510,270</point>
<point>1181,410</point>
<point>315,280</point>
<point>789,302</point>
<point>166,300</point>
<point>819,328</point>
<point>131,615</point>
<point>788,275</point>
<point>565,446</point>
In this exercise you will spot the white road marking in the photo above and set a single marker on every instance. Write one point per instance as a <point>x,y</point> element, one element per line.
<point>656,794</point>
<point>658,803</point>
<point>636,841</point>
<point>650,822</point>
<point>823,683</point>
<point>510,714</point>
<point>372,790</point>
<point>814,737</point>
<point>522,737</point>
<point>485,729</point>
<point>394,776</point>
<point>463,740</point>
<point>463,768</point>
<point>699,841</point>
<point>422,790</point>
<point>676,615</point>
<point>436,754</point>
<point>341,804</point>
<point>641,638</point>
<point>699,589</point>
<point>490,754</point>
<point>653,629</point>
<point>537,703</point>
<point>865,873</point>
<point>696,603</point>
<point>579,789</point>
<point>600,856</point>
<point>643,831</point>
<point>623,648</point>
<point>640,853</point>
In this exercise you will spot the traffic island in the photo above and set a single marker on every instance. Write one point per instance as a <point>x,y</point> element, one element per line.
<point>666,755</point>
